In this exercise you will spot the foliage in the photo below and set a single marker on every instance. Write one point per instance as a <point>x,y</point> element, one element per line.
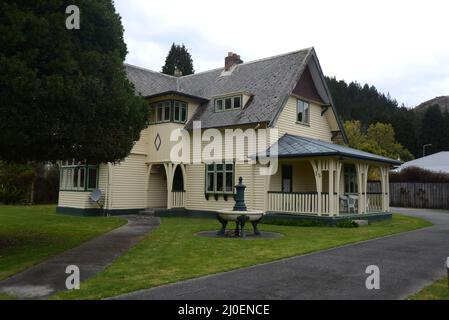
<point>15,180</point>
<point>367,105</point>
<point>178,57</point>
<point>295,223</point>
<point>346,224</point>
<point>64,93</point>
<point>435,129</point>
<point>379,139</point>
<point>416,174</point>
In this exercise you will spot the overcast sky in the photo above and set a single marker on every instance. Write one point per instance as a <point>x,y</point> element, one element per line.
<point>401,47</point>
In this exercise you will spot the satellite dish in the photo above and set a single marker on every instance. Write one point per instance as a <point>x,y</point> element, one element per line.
<point>95,195</point>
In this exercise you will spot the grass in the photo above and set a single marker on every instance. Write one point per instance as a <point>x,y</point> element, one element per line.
<point>30,234</point>
<point>172,252</point>
<point>436,291</point>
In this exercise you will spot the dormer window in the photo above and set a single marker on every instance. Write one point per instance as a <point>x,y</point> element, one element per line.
<point>168,111</point>
<point>228,103</point>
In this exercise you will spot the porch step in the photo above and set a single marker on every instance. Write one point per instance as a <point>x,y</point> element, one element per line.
<point>150,211</point>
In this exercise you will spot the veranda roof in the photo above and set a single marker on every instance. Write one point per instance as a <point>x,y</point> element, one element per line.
<point>291,146</point>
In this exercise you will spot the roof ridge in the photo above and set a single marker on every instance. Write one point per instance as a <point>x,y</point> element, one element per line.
<point>276,56</point>
<point>215,69</point>
<point>149,70</point>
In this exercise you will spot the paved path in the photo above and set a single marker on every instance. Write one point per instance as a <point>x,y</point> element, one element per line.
<point>407,262</point>
<point>92,257</point>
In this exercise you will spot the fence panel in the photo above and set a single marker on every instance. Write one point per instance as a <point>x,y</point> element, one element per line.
<point>420,195</point>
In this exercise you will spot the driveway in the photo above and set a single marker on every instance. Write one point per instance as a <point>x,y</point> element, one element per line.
<point>407,262</point>
<point>92,257</point>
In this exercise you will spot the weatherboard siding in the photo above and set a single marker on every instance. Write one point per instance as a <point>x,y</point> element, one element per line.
<point>318,127</point>
<point>195,188</point>
<point>129,183</point>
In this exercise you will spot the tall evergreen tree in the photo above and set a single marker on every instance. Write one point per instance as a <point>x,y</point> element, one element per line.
<point>64,93</point>
<point>433,130</point>
<point>180,58</point>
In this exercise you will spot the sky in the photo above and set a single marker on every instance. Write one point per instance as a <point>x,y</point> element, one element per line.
<point>401,47</point>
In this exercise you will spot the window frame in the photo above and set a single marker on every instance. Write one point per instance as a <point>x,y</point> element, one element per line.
<point>67,176</point>
<point>300,104</point>
<point>223,103</point>
<point>171,105</point>
<point>215,171</point>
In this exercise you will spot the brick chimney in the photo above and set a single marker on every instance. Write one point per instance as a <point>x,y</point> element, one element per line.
<point>178,72</point>
<point>231,60</point>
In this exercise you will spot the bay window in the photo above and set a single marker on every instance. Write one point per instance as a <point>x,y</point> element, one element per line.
<point>78,177</point>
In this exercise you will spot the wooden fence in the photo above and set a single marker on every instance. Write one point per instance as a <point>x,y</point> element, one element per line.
<point>420,195</point>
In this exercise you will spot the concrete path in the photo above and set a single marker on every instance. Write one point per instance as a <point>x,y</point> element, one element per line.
<point>407,262</point>
<point>92,257</point>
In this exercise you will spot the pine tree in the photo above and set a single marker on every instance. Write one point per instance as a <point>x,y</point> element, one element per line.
<point>433,130</point>
<point>180,58</point>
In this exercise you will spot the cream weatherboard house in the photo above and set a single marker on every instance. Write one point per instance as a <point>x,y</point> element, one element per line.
<point>317,176</point>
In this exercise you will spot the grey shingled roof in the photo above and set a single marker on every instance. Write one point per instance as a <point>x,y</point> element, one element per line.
<point>290,146</point>
<point>268,80</point>
<point>147,82</point>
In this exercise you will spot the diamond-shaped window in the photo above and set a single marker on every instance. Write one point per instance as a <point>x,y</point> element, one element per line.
<point>157,142</point>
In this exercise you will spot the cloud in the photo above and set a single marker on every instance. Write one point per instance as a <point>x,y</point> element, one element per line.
<point>398,46</point>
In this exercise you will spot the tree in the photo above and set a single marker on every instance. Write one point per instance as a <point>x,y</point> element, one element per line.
<point>178,57</point>
<point>366,104</point>
<point>64,93</point>
<point>434,130</point>
<point>379,139</point>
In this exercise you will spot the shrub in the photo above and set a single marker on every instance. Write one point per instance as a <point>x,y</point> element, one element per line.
<point>296,223</point>
<point>415,174</point>
<point>346,224</point>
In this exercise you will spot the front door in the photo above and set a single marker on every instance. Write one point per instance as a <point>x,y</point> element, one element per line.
<point>287,175</point>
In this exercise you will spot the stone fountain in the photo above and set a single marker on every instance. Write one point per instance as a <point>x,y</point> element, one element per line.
<point>239,214</point>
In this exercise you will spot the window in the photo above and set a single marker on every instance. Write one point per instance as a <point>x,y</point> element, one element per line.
<point>303,111</point>
<point>78,177</point>
<point>228,103</point>
<point>168,111</point>
<point>220,178</point>
<point>180,111</point>
<point>287,177</point>
<point>350,177</point>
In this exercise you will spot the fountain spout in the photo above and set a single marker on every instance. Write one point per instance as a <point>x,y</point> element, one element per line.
<point>240,196</point>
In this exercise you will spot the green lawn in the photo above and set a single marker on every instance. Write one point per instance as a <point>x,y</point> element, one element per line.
<point>30,234</point>
<point>436,291</point>
<point>172,252</point>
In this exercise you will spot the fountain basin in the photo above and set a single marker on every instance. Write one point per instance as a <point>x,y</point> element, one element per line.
<point>231,215</point>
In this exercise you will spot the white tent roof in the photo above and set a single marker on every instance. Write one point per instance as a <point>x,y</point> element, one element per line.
<point>438,162</point>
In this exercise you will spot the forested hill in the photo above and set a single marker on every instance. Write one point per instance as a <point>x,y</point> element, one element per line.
<point>368,105</point>
<point>442,101</point>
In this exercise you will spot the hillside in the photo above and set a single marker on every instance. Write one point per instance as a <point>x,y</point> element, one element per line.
<point>442,101</point>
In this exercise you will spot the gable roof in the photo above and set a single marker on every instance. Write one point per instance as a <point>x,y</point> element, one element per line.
<point>270,81</point>
<point>291,146</point>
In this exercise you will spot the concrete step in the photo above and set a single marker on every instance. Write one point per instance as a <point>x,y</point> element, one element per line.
<point>150,211</point>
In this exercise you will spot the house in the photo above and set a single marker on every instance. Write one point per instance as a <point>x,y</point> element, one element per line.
<point>437,162</point>
<point>315,175</point>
